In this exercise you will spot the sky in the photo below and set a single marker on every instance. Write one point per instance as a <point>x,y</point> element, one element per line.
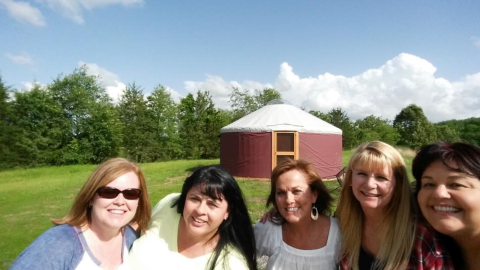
<point>366,57</point>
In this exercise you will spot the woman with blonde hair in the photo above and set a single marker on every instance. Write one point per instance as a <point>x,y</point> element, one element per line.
<point>95,233</point>
<point>377,217</point>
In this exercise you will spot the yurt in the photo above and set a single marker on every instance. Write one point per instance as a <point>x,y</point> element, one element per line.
<point>253,145</point>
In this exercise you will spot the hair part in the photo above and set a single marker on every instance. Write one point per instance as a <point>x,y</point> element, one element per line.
<point>80,212</point>
<point>324,199</point>
<point>397,228</point>
<point>236,231</point>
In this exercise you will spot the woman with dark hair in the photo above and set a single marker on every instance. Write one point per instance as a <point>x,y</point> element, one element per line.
<point>95,233</point>
<point>448,193</point>
<point>207,226</point>
<point>300,234</point>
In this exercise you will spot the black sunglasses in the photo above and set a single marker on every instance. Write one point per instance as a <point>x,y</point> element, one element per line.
<point>111,193</point>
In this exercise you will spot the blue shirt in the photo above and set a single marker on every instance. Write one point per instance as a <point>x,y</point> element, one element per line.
<point>58,248</point>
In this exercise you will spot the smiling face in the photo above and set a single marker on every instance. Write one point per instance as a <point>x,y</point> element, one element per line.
<point>373,188</point>
<point>294,197</point>
<point>113,214</point>
<point>203,214</point>
<point>450,201</point>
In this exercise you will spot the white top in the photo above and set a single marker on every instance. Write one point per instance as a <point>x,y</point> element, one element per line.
<point>281,117</point>
<point>270,243</point>
<point>89,262</point>
<point>157,248</point>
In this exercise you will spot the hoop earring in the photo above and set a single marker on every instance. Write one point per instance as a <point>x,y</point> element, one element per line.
<point>314,213</point>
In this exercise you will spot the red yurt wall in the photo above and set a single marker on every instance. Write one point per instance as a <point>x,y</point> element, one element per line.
<point>246,154</point>
<point>324,151</point>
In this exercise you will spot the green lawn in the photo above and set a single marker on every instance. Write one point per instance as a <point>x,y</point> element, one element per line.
<point>29,198</point>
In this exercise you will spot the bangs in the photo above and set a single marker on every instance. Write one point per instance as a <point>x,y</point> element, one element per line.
<point>370,161</point>
<point>211,188</point>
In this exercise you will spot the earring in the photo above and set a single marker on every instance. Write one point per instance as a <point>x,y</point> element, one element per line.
<point>90,206</point>
<point>314,213</point>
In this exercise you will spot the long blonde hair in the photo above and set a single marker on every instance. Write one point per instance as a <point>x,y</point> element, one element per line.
<point>397,228</point>
<point>80,212</point>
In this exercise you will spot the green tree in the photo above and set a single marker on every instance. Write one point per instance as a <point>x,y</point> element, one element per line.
<point>373,128</point>
<point>200,124</point>
<point>94,132</point>
<point>164,114</point>
<point>340,119</point>
<point>39,121</point>
<point>138,128</point>
<point>467,129</point>
<point>6,129</point>
<point>414,128</point>
<point>244,103</point>
<point>446,134</point>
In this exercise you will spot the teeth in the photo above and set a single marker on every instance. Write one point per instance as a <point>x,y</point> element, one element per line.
<point>446,209</point>
<point>292,209</point>
<point>371,194</point>
<point>116,211</point>
<point>198,220</point>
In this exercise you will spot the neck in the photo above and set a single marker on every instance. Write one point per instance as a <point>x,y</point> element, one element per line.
<point>102,234</point>
<point>372,219</point>
<point>300,227</point>
<point>187,241</point>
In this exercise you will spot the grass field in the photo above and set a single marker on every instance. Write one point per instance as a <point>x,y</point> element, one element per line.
<point>29,198</point>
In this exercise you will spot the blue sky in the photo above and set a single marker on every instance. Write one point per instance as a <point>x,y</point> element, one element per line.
<point>368,57</point>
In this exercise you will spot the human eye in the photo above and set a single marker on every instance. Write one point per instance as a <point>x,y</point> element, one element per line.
<point>212,203</point>
<point>428,185</point>
<point>457,185</point>
<point>280,192</point>
<point>297,191</point>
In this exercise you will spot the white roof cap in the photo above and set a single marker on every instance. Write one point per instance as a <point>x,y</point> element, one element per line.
<point>281,117</point>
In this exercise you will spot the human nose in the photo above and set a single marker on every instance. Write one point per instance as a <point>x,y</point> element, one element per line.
<point>441,192</point>
<point>290,197</point>
<point>119,200</point>
<point>201,207</point>
<point>371,182</point>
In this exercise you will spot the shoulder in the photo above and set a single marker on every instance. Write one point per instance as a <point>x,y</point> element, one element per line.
<point>164,204</point>
<point>261,229</point>
<point>58,247</point>
<point>130,235</point>
<point>428,249</point>
<point>235,259</point>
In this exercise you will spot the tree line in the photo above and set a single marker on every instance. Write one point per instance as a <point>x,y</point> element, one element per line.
<point>73,121</point>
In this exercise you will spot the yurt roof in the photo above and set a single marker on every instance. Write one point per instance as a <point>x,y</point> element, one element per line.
<point>281,117</point>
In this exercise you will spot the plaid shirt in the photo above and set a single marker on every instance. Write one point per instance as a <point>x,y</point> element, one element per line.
<point>428,253</point>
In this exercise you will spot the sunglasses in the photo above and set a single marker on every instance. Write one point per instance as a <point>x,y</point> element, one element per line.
<point>111,193</point>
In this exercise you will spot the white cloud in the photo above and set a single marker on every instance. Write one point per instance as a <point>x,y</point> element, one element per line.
<point>382,91</point>
<point>476,41</point>
<point>112,83</point>
<point>22,59</point>
<point>27,86</point>
<point>221,89</point>
<point>110,80</point>
<point>73,9</point>
<point>24,12</point>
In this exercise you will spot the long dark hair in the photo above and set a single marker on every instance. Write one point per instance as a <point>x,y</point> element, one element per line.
<point>236,230</point>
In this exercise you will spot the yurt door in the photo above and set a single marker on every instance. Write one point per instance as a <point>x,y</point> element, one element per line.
<point>285,146</point>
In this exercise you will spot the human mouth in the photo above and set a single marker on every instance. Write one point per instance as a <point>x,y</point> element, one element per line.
<point>368,194</point>
<point>116,211</point>
<point>292,209</point>
<point>199,220</point>
<point>446,209</point>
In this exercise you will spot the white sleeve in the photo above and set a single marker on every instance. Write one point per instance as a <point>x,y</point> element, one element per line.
<point>264,238</point>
